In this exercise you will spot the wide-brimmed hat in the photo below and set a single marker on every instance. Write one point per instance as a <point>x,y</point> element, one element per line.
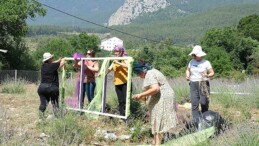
<point>197,51</point>
<point>46,56</point>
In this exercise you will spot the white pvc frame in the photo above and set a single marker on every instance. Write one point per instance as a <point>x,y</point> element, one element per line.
<point>103,98</point>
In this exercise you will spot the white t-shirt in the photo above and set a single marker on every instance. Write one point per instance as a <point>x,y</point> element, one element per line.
<point>198,68</point>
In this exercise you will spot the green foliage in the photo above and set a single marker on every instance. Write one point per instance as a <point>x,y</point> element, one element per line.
<point>12,87</point>
<point>67,130</point>
<point>237,76</point>
<point>138,132</point>
<point>147,54</point>
<point>220,61</point>
<point>84,42</point>
<point>249,26</point>
<point>171,61</point>
<point>188,29</point>
<point>13,27</point>
<point>240,49</point>
<point>58,47</point>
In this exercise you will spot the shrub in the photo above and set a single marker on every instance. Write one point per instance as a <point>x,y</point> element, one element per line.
<point>10,86</point>
<point>69,130</point>
<point>237,76</point>
<point>138,132</point>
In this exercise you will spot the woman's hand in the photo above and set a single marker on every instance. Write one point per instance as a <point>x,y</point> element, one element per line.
<point>136,96</point>
<point>139,97</point>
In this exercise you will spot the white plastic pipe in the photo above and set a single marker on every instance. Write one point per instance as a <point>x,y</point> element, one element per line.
<point>4,51</point>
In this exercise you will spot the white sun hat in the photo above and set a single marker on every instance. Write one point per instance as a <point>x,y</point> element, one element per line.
<point>197,50</point>
<point>46,56</point>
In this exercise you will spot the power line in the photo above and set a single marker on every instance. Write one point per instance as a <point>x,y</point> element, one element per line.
<point>144,38</point>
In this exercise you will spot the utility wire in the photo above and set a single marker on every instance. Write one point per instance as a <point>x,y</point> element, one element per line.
<point>106,27</point>
<point>97,24</point>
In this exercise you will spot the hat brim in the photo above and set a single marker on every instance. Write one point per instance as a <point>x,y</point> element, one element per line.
<point>199,54</point>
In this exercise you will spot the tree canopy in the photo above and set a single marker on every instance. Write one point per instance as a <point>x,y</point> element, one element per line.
<point>13,28</point>
<point>249,26</point>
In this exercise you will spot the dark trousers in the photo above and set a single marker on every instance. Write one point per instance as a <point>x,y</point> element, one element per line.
<point>197,97</point>
<point>48,92</point>
<point>121,91</point>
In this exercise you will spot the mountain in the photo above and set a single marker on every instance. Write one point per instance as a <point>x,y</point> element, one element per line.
<point>131,9</point>
<point>164,9</point>
<point>121,12</point>
<point>182,21</point>
<point>97,11</point>
<point>188,29</point>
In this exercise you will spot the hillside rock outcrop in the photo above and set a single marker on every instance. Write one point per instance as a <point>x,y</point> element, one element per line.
<point>133,8</point>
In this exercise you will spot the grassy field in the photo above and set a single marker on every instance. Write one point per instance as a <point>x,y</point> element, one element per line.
<point>19,123</point>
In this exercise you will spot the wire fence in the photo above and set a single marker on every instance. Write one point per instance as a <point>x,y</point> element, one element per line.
<point>33,76</point>
<point>28,75</point>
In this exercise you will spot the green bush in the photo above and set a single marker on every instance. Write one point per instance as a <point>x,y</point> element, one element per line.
<point>69,130</point>
<point>10,86</point>
<point>138,133</point>
<point>237,76</point>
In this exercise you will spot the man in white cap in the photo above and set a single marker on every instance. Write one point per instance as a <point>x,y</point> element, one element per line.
<point>49,87</point>
<point>198,73</point>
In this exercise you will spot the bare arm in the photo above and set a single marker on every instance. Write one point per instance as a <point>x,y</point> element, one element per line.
<point>123,64</point>
<point>110,68</point>
<point>188,73</point>
<point>151,90</point>
<point>62,62</point>
<point>76,64</point>
<point>94,68</point>
<point>210,73</point>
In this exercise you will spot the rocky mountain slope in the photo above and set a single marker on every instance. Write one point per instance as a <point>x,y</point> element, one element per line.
<point>133,8</point>
<point>165,9</point>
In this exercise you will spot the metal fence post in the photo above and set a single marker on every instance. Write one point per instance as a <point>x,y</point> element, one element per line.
<point>15,76</point>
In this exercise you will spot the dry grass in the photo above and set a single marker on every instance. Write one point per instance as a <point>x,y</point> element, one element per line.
<point>19,115</point>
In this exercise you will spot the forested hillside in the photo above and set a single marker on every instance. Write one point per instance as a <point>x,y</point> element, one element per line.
<point>191,28</point>
<point>97,11</point>
<point>180,8</point>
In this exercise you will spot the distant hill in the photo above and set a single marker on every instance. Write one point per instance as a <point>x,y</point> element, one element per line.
<point>181,8</point>
<point>190,28</point>
<point>97,11</point>
<point>184,21</point>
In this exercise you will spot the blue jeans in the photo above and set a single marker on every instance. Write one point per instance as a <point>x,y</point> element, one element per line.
<point>89,89</point>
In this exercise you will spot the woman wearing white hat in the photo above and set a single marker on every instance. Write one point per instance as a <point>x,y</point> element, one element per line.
<point>198,73</point>
<point>49,87</point>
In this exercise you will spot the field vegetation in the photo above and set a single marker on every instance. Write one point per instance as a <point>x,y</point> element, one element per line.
<point>233,50</point>
<point>241,111</point>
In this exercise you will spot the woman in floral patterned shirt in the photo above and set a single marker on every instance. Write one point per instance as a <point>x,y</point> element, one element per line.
<point>160,100</point>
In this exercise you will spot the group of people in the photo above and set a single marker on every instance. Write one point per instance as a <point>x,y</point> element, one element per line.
<point>157,93</point>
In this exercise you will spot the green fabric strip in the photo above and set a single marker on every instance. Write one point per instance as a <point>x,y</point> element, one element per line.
<point>192,139</point>
<point>96,103</point>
